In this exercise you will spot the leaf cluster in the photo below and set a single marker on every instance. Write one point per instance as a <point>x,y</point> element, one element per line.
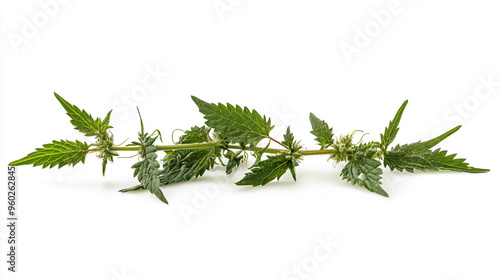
<point>363,167</point>
<point>65,152</point>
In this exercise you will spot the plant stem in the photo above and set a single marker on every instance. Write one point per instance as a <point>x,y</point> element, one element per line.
<point>215,143</point>
<point>268,150</point>
<point>281,144</point>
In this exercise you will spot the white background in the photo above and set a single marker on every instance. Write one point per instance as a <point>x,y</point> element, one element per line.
<point>285,59</point>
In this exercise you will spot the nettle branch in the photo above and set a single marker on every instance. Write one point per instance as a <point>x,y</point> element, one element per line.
<point>230,135</point>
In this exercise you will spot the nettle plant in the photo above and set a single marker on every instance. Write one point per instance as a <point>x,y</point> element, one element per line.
<point>230,135</point>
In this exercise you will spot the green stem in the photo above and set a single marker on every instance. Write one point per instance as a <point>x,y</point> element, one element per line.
<point>316,152</point>
<point>215,143</point>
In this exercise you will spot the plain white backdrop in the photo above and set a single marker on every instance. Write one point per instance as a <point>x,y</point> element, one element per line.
<point>352,63</point>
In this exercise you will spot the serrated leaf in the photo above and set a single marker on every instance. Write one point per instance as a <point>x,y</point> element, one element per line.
<point>419,156</point>
<point>392,130</point>
<point>323,133</point>
<point>84,122</point>
<point>289,141</point>
<point>238,124</point>
<point>195,135</point>
<point>148,175</point>
<point>58,153</point>
<point>147,171</point>
<point>426,145</point>
<point>184,165</point>
<point>401,158</point>
<point>365,172</point>
<point>105,123</point>
<point>234,160</point>
<point>267,170</point>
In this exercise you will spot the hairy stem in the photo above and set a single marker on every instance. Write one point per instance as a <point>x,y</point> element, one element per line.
<point>215,143</point>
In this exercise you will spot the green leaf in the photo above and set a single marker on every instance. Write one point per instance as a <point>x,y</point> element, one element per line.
<point>289,141</point>
<point>263,172</point>
<point>419,156</point>
<point>134,188</point>
<point>195,135</point>
<point>105,122</point>
<point>238,124</point>
<point>323,133</point>
<point>402,158</point>
<point>58,153</point>
<point>267,170</point>
<point>83,121</point>
<point>234,160</point>
<point>364,171</point>
<point>423,146</point>
<point>392,130</point>
<point>184,165</point>
<point>147,172</point>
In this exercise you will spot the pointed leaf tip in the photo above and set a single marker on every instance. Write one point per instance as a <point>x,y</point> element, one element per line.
<point>392,130</point>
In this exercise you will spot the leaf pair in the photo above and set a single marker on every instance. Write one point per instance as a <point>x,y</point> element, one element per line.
<point>419,155</point>
<point>64,152</point>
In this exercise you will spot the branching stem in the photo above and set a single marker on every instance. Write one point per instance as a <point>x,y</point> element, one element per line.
<point>215,143</point>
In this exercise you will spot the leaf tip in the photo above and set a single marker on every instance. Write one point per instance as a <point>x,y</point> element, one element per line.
<point>195,99</point>
<point>60,99</point>
<point>14,163</point>
<point>160,195</point>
